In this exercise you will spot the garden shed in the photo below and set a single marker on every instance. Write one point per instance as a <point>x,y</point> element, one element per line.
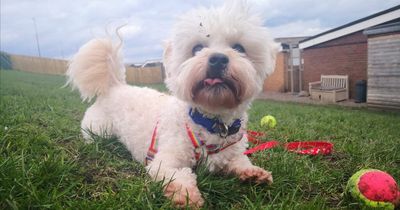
<point>384,65</point>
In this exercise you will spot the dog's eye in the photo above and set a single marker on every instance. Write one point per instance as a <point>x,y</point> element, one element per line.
<point>239,48</point>
<point>197,48</point>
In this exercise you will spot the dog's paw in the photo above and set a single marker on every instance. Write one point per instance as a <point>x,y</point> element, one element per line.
<point>183,196</point>
<point>256,174</point>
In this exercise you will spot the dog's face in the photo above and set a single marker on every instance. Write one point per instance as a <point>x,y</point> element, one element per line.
<point>218,58</point>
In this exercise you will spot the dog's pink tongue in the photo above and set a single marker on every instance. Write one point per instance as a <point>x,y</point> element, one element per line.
<point>212,81</point>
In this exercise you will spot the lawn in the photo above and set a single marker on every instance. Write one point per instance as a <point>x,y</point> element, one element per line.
<point>45,164</point>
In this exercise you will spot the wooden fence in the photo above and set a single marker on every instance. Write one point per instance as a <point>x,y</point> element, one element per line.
<point>134,75</point>
<point>38,65</point>
<point>146,75</point>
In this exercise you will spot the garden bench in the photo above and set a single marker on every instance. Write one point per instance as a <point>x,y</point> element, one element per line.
<point>331,88</point>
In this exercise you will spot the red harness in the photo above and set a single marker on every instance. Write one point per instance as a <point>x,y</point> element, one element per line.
<point>197,143</point>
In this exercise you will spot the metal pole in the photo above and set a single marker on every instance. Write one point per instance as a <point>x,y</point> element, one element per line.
<point>300,72</point>
<point>291,69</point>
<point>37,37</point>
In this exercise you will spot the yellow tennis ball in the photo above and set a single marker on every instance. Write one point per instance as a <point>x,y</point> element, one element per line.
<point>269,121</point>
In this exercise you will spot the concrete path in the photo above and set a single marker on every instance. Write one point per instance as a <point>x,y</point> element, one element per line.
<point>289,97</point>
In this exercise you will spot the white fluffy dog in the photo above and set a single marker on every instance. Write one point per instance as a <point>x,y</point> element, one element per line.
<point>216,63</point>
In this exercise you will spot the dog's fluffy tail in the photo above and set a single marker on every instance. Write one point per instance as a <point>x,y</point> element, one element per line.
<point>96,68</point>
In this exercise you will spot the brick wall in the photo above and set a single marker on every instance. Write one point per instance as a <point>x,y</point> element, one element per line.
<point>276,81</point>
<point>344,56</point>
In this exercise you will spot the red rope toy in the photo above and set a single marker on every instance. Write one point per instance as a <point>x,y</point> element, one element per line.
<point>305,148</point>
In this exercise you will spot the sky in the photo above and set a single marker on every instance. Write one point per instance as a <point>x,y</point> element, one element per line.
<point>64,25</point>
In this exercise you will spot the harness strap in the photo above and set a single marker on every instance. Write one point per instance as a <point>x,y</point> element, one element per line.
<point>210,148</point>
<point>213,148</point>
<point>195,140</point>
<point>151,152</point>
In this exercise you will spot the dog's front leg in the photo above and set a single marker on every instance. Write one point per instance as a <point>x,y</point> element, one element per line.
<point>246,171</point>
<point>180,183</point>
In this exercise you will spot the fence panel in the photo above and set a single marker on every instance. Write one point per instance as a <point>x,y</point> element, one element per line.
<point>134,75</point>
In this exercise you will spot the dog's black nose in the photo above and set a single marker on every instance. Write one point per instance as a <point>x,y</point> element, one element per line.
<point>218,62</point>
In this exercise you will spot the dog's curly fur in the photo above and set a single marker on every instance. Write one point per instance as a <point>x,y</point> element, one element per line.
<point>131,113</point>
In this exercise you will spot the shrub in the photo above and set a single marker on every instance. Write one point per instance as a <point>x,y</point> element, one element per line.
<point>5,61</point>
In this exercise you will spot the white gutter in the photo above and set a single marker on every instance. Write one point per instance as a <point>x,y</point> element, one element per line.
<point>351,29</point>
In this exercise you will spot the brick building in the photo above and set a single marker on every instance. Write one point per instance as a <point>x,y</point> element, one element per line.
<point>287,75</point>
<point>276,81</point>
<point>342,50</point>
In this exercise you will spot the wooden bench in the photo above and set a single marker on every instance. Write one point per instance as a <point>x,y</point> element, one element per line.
<point>331,88</point>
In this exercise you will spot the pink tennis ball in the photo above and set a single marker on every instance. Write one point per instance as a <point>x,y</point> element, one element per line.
<point>374,188</point>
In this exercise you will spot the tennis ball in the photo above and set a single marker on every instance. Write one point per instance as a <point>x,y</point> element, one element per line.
<point>374,189</point>
<point>269,121</point>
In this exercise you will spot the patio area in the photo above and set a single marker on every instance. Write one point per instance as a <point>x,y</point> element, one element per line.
<point>289,97</point>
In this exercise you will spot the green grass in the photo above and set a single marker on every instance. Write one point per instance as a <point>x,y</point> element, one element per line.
<point>45,164</point>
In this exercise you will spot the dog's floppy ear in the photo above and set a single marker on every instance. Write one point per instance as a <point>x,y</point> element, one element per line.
<point>167,54</point>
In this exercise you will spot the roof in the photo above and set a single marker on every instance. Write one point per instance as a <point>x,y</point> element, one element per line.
<point>287,42</point>
<point>358,25</point>
<point>383,29</point>
<point>291,40</point>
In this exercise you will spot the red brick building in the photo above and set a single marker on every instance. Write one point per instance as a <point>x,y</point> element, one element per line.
<point>342,50</point>
<point>276,81</point>
<point>286,77</point>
